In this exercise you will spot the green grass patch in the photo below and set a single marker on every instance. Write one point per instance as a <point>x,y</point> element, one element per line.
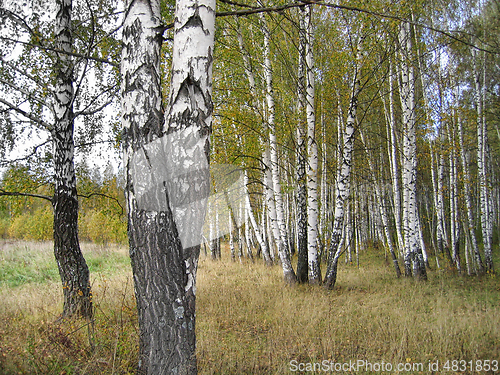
<point>33,262</point>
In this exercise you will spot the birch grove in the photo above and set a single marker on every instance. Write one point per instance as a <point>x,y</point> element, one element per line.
<point>357,135</point>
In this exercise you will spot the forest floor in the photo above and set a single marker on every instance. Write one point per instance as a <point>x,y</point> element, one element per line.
<point>249,322</point>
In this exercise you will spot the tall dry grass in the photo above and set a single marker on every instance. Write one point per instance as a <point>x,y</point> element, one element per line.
<point>248,322</point>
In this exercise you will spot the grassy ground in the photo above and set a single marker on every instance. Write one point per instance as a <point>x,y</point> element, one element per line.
<point>248,322</point>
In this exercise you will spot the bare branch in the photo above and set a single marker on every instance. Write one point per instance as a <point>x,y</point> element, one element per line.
<point>18,194</point>
<point>79,55</point>
<point>5,163</point>
<point>105,196</point>
<point>281,8</point>
<point>29,95</point>
<point>25,114</point>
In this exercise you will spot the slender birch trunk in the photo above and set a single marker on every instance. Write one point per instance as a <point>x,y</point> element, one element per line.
<point>454,223</point>
<point>344,178</point>
<point>258,233</point>
<point>314,273</point>
<point>279,221</point>
<point>437,197</point>
<point>471,233</point>
<point>163,157</point>
<point>273,144</point>
<point>288,273</point>
<point>414,262</point>
<point>231,241</point>
<point>301,195</point>
<point>393,162</point>
<point>72,267</point>
<point>482,144</point>
<point>382,211</point>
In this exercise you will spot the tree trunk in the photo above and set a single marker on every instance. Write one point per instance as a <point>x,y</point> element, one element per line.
<point>278,221</point>
<point>414,262</point>
<point>482,142</point>
<point>470,232</point>
<point>343,179</point>
<point>288,273</point>
<point>167,185</point>
<point>301,195</point>
<point>393,160</point>
<point>70,261</point>
<point>382,210</point>
<point>314,272</point>
<point>454,222</point>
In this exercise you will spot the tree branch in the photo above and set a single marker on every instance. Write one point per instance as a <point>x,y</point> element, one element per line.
<point>18,194</point>
<point>25,114</point>
<point>103,195</point>
<point>74,54</point>
<point>280,8</point>
<point>35,149</point>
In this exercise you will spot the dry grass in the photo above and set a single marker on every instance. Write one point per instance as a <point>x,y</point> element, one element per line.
<point>248,322</point>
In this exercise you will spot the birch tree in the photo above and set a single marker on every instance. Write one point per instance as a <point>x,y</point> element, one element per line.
<point>70,261</point>
<point>301,194</point>
<point>344,174</point>
<point>482,144</point>
<point>413,259</point>
<point>273,177</point>
<point>470,230</point>
<point>167,174</point>
<point>314,272</point>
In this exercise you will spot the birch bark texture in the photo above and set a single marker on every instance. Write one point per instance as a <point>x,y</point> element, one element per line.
<point>163,249</point>
<point>344,175</point>
<point>301,194</point>
<point>275,199</point>
<point>70,261</point>
<point>314,273</point>
<point>482,145</point>
<point>413,259</point>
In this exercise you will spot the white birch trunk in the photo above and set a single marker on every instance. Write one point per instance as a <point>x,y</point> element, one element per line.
<point>231,241</point>
<point>279,220</point>
<point>482,137</point>
<point>301,195</point>
<point>470,230</point>
<point>393,162</point>
<point>288,273</point>
<point>164,241</point>
<point>258,232</point>
<point>382,210</point>
<point>414,263</point>
<point>314,273</point>
<point>273,144</point>
<point>344,178</point>
<point>71,264</point>
<point>454,224</point>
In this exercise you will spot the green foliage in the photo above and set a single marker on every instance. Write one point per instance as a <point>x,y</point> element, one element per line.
<point>101,203</point>
<point>37,226</point>
<point>101,228</point>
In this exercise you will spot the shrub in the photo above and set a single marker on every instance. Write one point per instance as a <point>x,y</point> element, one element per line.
<point>101,227</point>
<point>37,226</point>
